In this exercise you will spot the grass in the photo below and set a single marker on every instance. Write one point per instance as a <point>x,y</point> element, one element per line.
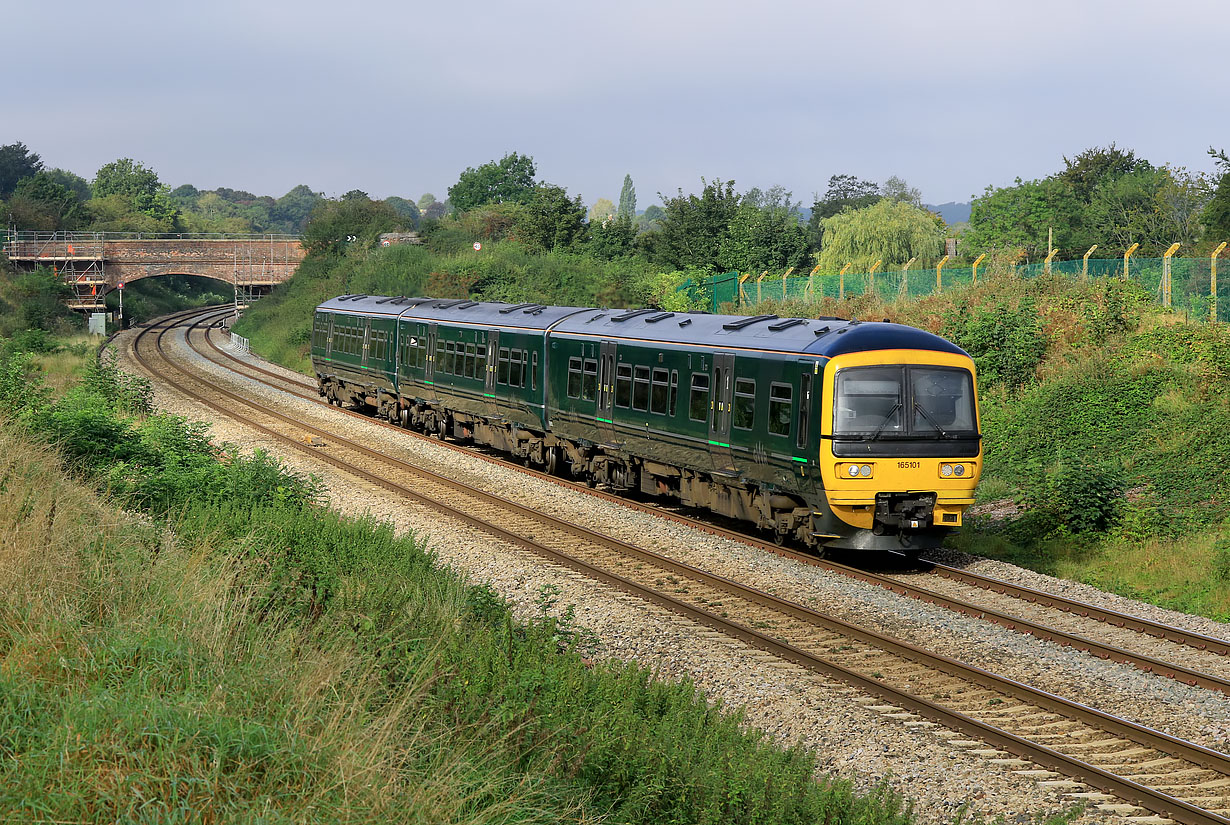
<point>235,651</point>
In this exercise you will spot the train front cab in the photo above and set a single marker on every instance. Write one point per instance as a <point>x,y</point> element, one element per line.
<point>900,451</point>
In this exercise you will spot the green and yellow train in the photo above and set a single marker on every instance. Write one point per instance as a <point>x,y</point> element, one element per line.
<point>832,433</point>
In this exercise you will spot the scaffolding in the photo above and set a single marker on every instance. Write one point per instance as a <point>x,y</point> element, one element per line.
<point>75,258</point>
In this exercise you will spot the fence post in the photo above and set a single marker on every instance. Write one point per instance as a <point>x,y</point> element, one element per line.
<point>977,261</point>
<point>1127,255</point>
<point>1167,286</point>
<point>939,268</point>
<point>758,280</point>
<point>871,275</point>
<point>904,277</point>
<point>740,295</point>
<point>811,282</point>
<point>784,276</point>
<point>1050,256</point>
<point>841,282</point>
<point>1213,282</point>
<point>1085,263</point>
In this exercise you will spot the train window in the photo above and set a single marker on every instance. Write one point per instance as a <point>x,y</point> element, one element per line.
<point>574,377</point>
<point>698,404</point>
<point>623,386</point>
<point>640,390</point>
<point>804,409</point>
<point>745,404</point>
<point>943,400</point>
<point>661,390</point>
<point>674,392</point>
<point>439,355</point>
<point>470,354</point>
<point>781,401</point>
<point>480,363</point>
<point>451,359</point>
<point>869,400</point>
<point>516,368</point>
<point>501,372</point>
<point>534,371</point>
<point>422,353</point>
<point>589,380</point>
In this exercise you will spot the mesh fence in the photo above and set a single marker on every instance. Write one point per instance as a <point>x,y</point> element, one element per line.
<point>1190,284</point>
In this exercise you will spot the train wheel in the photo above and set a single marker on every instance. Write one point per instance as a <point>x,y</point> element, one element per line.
<point>552,463</point>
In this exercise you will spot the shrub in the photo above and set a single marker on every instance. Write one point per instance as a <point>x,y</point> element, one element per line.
<point>1005,341</point>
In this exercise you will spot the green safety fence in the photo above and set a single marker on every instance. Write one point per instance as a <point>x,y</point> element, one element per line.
<point>1190,283</point>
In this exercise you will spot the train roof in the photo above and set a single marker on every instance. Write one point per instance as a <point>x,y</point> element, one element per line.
<point>826,337</point>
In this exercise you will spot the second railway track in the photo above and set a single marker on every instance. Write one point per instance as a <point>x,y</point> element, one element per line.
<point>1161,773</point>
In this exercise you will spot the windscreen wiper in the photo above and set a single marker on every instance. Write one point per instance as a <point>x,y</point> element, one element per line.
<point>934,423</point>
<point>888,417</point>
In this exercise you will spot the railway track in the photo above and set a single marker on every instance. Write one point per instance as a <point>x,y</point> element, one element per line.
<point>1183,781</point>
<point>903,585</point>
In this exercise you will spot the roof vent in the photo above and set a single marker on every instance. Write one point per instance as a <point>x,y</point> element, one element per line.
<point>780,325</point>
<point>448,304</point>
<point>467,305</point>
<point>685,322</point>
<point>534,309</point>
<point>632,314</point>
<point>515,307</point>
<point>661,316</point>
<point>747,322</point>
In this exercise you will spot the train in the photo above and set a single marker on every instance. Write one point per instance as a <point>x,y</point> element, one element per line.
<point>834,434</point>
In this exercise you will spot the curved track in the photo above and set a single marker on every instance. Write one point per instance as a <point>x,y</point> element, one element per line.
<point>1161,773</point>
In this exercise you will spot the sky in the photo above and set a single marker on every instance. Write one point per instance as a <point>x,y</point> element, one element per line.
<point>398,98</point>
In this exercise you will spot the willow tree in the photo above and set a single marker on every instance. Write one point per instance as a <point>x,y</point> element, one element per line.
<point>889,231</point>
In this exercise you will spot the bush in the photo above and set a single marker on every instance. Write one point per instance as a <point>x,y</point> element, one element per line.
<point>1005,341</point>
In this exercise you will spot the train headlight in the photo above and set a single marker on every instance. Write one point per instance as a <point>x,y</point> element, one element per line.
<point>852,470</point>
<point>946,470</point>
<point>958,470</point>
<point>865,471</point>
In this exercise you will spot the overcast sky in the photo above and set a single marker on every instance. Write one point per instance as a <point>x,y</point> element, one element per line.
<point>397,98</point>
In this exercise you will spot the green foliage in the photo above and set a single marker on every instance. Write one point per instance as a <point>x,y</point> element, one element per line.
<point>889,231</point>
<point>627,201</point>
<point>21,384</point>
<point>765,233</point>
<point>16,163</point>
<point>1083,498</point>
<point>334,222</point>
<point>693,227</point>
<point>550,220</point>
<point>1005,341</point>
<point>126,177</point>
<point>38,299</point>
<point>39,202</point>
<point>1019,218</point>
<point>844,192</point>
<point>612,238</point>
<point>511,179</point>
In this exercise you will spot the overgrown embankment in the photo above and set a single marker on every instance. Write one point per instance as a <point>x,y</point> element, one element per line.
<point>1103,429</point>
<point>229,649</point>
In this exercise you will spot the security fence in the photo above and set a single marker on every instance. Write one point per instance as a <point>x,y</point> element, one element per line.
<point>1188,285</point>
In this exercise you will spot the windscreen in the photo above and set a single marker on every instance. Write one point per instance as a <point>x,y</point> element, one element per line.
<point>903,401</point>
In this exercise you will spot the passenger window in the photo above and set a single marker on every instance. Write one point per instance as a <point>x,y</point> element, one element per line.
<point>534,371</point>
<point>640,390</point>
<point>439,355</point>
<point>674,392</point>
<point>574,377</point>
<point>502,370</point>
<point>589,381</point>
<point>516,375</point>
<point>781,403</point>
<point>661,389</point>
<point>480,363</point>
<point>469,360</point>
<point>698,404</point>
<point>745,404</point>
<point>623,385</point>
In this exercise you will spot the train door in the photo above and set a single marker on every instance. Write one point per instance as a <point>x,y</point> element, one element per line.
<point>329,338</point>
<point>719,417</point>
<point>605,413</point>
<point>493,351</point>
<point>430,369</point>
<point>805,425</point>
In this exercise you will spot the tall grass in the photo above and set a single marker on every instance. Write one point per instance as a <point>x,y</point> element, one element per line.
<point>238,652</point>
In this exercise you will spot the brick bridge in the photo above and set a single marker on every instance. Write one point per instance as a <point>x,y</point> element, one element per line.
<point>94,263</point>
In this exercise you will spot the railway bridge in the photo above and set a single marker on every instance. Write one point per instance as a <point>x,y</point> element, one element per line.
<point>94,263</point>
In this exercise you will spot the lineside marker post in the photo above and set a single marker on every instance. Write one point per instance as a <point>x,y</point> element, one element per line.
<point>1127,255</point>
<point>1085,263</point>
<point>1213,282</point>
<point>977,261</point>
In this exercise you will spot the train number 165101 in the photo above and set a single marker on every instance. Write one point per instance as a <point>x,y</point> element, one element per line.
<point>909,465</point>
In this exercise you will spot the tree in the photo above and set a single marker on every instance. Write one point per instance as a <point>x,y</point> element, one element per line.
<point>290,212</point>
<point>1019,218</point>
<point>551,220</point>
<point>511,179</point>
<point>16,162</point>
<point>41,203</point>
<point>650,220</point>
<point>139,185</point>
<point>1095,166</point>
<point>1216,215</point>
<point>333,222</point>
<point>602,211</point>
<point>844,192</point>
<point>898,190</point>
<point>765,233</point>
<point>627,200</point>
<point>407,209</point>
<point>79,186</point>
<point>611,239</point>
<point>890,231</point>
<point>693,227</point>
